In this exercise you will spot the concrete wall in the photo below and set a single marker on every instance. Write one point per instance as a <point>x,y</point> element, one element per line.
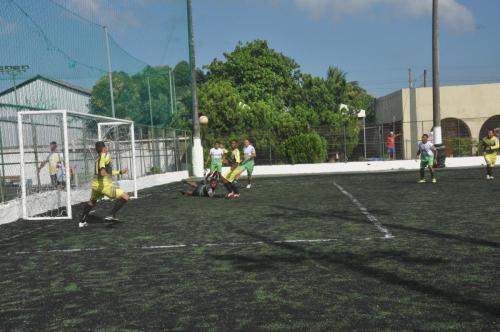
<point>474,104</point>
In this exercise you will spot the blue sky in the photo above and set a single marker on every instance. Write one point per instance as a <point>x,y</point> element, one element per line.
<point>374,44</point>
<point>374,41</point>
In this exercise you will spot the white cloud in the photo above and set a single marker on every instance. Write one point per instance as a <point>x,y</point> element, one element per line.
<point>455,15</point>
<point>118,15</point>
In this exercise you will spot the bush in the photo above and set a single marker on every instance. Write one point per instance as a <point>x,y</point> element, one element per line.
<point>462,146</point>
<point>306,148</point>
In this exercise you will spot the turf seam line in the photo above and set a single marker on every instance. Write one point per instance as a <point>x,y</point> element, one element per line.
<point>371,218</point>
<point>194,245</point>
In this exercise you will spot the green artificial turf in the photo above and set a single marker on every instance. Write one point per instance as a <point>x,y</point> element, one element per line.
<point>198,264</point>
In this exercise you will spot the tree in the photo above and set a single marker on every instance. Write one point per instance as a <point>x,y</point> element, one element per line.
<point>132,97</point>
<point>258,71</point>
<point>126,97</point>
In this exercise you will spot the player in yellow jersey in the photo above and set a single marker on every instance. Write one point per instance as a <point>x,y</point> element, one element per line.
<point>102,185</point>
<point>490,146</point>
<point>230,177</point>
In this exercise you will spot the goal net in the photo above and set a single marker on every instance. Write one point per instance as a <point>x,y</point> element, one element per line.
<point>57,154</point>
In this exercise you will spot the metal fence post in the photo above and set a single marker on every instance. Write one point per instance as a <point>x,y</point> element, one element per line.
<point>345,144</point>
<point>2,185</point>
<point>35,150</point>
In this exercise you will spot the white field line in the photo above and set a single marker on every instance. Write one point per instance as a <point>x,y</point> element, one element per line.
<point>371,218</point>
<point>196,245</point>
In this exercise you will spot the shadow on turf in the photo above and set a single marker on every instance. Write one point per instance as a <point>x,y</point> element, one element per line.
<point>353,262</point>
<point>445,236</point>
<point>294,212</point>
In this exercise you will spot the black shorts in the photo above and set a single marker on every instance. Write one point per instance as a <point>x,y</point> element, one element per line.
<point>54,182</point>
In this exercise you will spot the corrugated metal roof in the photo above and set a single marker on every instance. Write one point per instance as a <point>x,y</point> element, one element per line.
<point>63,84</point>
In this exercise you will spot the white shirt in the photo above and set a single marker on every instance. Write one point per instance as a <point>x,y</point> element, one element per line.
<point>216,154</point>
<point>426,149</point>
<point>248,152</point>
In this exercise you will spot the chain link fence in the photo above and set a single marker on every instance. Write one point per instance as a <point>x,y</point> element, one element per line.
<point>461,138</point>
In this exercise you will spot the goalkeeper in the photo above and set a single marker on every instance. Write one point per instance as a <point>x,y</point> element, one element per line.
<point>490,146</point>
<point>102,185</point>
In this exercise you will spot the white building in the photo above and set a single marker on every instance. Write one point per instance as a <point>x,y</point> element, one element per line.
<point>467,111</point>
<point>44,93</point>
<point>35,94</point>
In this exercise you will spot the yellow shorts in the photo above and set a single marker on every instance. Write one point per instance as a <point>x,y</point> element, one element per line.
<point>231,175</point>
<point>491,159</point>
<point>105,187</point>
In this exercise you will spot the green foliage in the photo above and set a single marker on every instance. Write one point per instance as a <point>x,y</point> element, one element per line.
<point>254,92</point>
<point>462,146</point>
<point>132,97</point>
<point>259,72</point>
<point>154,170</point>
<point>126,95</point>
<point>306,148</point>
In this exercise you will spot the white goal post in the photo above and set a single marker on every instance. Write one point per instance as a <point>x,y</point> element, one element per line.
<point>48,193</point>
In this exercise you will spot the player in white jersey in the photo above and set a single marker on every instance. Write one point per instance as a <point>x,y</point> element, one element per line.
<point>57,171</point>
<point>215,157</point>
<point>248,163</point>
<point>427,153</point>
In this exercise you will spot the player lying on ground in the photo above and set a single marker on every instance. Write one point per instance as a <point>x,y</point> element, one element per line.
<point>204,188</point>
<point>490,146</point>
<point>102,185</point>
<point>428,158</point>
<point>229,179</point>
<point>248,163</point>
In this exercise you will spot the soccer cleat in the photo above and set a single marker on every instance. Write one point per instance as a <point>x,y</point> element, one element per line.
<point>489,177</point>
<point>249,186</point>
<point>112,219</point>
<point>434,181</point>
<point>82,224</point>
<point>422,181</point>
<point>236,196</point>
<point>230,195</point>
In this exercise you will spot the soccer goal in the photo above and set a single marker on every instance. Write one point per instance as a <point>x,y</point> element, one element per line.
<point>57,158</point>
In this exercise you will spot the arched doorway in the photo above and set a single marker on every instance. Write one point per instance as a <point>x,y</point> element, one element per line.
<point>491,123</point>
<point>456,137</point>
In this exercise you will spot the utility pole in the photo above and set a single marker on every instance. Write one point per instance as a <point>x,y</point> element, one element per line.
<point>425,78</point>
<point>197,150</point>
<point>150,104</point>
<point>410,79</point>
<point>110,73</point>
<point>171,93</point>
<point>436,97</point>
<point>175,92</point>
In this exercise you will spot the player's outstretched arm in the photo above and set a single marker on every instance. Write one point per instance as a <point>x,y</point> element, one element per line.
<point>119,172</point>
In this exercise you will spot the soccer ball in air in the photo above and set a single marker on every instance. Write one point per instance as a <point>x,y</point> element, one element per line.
<point>203,120</point>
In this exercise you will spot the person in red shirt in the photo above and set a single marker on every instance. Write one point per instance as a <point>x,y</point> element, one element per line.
<point>391,144</point>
